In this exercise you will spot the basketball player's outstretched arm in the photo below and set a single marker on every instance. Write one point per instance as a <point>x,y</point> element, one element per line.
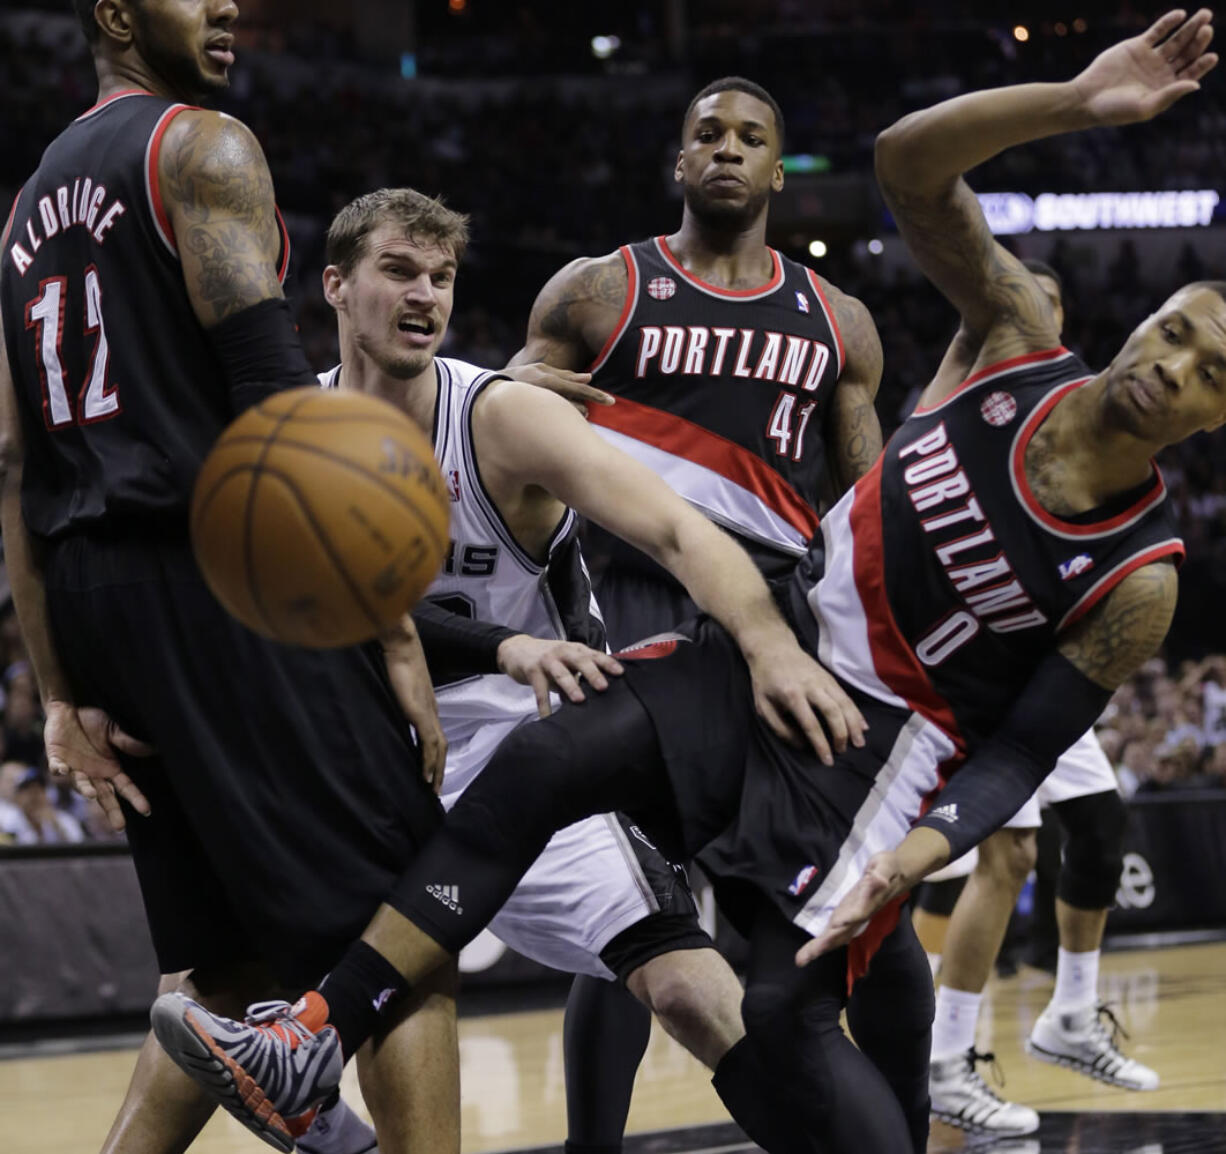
<point>853,433</point>
<point>920,161</point>
<point>1064,698</point>
<point>78,741</point>
<point>533,447</point>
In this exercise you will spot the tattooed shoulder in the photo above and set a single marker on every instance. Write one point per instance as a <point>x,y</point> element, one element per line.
<point>218,190</point>
<point>589,290</point>
<point>861,342</point>
<point>1126,630</point>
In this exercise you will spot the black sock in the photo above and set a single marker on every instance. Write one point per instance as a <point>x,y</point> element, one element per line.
<point>361,986</point>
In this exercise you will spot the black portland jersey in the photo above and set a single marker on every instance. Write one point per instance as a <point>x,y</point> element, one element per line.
<point>940,582</point>
<point>724,393</point>
<point>120,392</point>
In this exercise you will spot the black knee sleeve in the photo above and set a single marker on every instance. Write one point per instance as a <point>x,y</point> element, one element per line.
<point>939,897</point>
<point>1093,849</point>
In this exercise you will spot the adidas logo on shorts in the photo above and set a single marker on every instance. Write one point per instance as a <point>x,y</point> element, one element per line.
<point>448,895</point>
<point>947,813</point>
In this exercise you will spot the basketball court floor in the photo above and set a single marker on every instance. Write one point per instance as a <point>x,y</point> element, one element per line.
<point>1172,1001</point>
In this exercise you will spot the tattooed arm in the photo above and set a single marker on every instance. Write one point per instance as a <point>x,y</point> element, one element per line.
<point>218,195</point>
<point>920,161</point>
<point>853,434</point>
<point>1062,700</point>
<point>576,313</point>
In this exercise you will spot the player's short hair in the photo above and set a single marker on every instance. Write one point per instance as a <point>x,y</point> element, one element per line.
<point>422,218</point>
<point>1039,268</point>
<point>738,84</point>
<point>85,15</point>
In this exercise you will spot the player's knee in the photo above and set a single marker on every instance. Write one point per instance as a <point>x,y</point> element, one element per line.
<point>1008,856</point>
<point>1094,849</point>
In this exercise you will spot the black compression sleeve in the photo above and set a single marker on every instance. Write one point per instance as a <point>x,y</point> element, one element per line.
<point>261,353</point>
<point>1057,706</point>
<point>457,646</point>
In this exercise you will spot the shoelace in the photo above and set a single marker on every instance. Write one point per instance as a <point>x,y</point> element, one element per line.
<point>1117,1030</point>
<point>973,1057</point>
<point>278,1018</point>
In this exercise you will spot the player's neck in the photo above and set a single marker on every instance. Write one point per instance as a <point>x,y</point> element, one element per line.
<point>417,396</point>
<point>728,258</point>
<point>131,72</point>
<point>1105,460</point>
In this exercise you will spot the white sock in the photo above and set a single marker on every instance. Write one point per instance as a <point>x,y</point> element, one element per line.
<point>934,963</point>
<point>953,1028</point>
<point>1076,979</point>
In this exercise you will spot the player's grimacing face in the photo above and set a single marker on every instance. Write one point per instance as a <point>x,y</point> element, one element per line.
<point>189,43</point>
<point>730,159</point>
<point>399,300</point>
<point>1169,379</point>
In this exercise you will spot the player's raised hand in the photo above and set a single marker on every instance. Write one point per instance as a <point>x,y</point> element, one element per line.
<point>84,744</point>
<point>1140,77</point>
<point>548,664</point>
<point>575,387</point>
<point>793,694</point>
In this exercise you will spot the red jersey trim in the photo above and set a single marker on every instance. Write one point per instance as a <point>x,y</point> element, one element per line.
<point>834,328</point>
<point>111,99</point>
<point>1104,585</point>
<point>993,371</point>
<point>628,306</point>
<point>691,442</point>
<point>8,224</point>
<point>893,659</point>
<point>862,948</point>
<point>161,221</point>
<point>732,294</point>
<point>1071,529</point>
<point>283,267</point>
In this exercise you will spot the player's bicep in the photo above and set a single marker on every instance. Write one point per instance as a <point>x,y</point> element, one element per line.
<point>218,195</point>
<point>853,433</point>
<point>1123,632</point>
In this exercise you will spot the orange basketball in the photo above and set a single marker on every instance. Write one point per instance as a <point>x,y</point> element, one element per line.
<point>320,517</point>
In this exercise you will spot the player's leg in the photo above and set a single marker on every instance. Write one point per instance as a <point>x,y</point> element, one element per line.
<point>604,1037</point>
<point>889,1015</point>
<point>1074,1030</point>
<point>409,1071</point>
<point>833,1095</point>
<point>933,904</point>
<point>960,1096</point>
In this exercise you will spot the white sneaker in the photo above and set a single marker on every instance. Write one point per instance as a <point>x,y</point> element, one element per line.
<point>963,1099</point>
<point>338,1130</point>
<point>1084,1040</point>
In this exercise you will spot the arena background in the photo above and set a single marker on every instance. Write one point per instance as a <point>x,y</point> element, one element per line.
<point>555,125</point>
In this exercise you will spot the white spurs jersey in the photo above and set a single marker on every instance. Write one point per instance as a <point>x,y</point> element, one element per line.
<point>488,576</point>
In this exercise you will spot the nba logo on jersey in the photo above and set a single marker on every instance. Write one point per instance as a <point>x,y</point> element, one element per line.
<point>1079,564</point>
<point>998,408</point>
<point>802,881</point>
<point>802,301</point>
<point>661,287</point>
<point>453,483</point>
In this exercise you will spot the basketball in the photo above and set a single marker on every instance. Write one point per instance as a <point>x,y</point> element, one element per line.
<point>320,517</point>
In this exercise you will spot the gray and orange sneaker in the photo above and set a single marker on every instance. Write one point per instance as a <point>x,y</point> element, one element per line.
<point>271,1071</point>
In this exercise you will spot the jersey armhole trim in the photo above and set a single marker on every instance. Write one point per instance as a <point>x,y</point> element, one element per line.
<point>153,191</point>
<point>1172,548</point>
<point>632,296</point>
<point>8,224</point>
<point>834,327</point>
<point>283,265</point>
<point>992,371</point>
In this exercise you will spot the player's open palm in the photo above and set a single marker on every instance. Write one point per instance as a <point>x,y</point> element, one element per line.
<point>85,744</point>
<point>881,882</point>
<point>1140,77</point>
<point>802,702</point>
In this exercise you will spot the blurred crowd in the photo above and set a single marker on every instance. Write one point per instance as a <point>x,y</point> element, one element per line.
<point>556,152</point>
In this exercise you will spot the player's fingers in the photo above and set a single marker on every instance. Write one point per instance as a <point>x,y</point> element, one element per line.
<point>802,713</point>
<point>1193,49</point>
<point>83,785</point>
<point>560,674</point>
<point>832,711</point>
<point>1161,28</point>
<point>111,809</point>
<point>1185,35</point>
<point>540,686</point>
<point>609,663</point>
<point>780,726</point>
<point>1197,70</point>
<point>585,665</point>
<point>579,393</point>
<point>123,785</point>
<point>126,743</point>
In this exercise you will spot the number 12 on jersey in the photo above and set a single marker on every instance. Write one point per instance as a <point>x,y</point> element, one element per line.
<point>45,315</point>
<point>786,425</point>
